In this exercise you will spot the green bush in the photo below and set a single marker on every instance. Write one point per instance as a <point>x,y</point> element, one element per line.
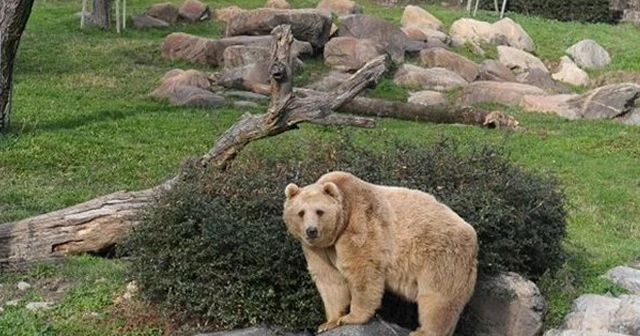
<point>562,10</point>
<point>216,247</point>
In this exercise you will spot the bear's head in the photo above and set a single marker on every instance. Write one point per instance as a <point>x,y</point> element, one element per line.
<point>314,214</point>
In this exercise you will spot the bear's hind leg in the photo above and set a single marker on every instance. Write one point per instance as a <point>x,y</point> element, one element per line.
<point>438,315</point>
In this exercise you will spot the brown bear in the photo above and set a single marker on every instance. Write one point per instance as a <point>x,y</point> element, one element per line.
<point>360,238</point>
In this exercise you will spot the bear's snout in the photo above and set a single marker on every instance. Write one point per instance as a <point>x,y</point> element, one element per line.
<point>312,232</point>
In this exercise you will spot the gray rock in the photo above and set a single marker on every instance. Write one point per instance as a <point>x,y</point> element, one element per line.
<point>491,70</point>
<point>240,55</point>
<point>516,36</point>
<point>377,328</point>
<point>543,80</point>
<point>556,104</point>
<point>597,313</point>
<point>311,25</point>
<point>439,57</point>
<point>438,79</point>
<point>631,118</point>
<point>506,93</point>
<point>506,305</point>
<point>555,332</point>
<point>329,82</point>
<point>607,102</point>
<point>588,54</point>
<point>39,305</point>
<point>340,7</point>
<point>23,286</point>
<point>165,11</point>
<point>245,77</point>
<point>192,96</point>
<point>627,277</point>
<point>518,60</point>
<point>246,95</point>
<point>433,99</point>
<point>414,16</point>
<point>349,53</point>
<point>245,105</point>
<point>194,11</point>
<point>142,21</point>
<point>392,39</point>
<point>570,73</point>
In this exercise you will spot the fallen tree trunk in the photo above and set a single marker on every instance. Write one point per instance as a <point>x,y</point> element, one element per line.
<point>14,15</point>
<point>97,225</point>
<point>468,115</point>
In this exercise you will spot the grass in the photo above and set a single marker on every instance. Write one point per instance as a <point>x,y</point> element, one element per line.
<point>84,126</point>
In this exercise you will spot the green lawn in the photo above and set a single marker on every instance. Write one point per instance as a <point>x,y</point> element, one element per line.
<point>84,126</point>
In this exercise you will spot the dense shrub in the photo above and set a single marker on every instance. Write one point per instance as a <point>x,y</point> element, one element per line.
<point>215,246</point>
<point>563,10</point>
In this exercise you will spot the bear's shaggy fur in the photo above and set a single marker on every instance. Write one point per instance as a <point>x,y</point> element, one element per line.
<point>360,239</point>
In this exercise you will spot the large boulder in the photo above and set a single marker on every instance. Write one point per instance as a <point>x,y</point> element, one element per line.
<point>505,305</point>
<point>277,4</point>
<point>348,53</point>
<point>414,16</point>
<point>240,55</point>
<point>211,52</point>
<point>515,35</point>
<point>518,60</point>
<point>474,32</point>
<point>506,93</point>
<point>390,38</point>
<point>311,25</point>
<point>504,32</point>
<point>191,48</point>
<point>165,11</point>
<point>329,82</point>
<point>588,54</point>
<point>491,70</point>
<point>433,99</point>
<point>627,277</point>
<point>437,79</point>
<point>142,21</point>
<point>607,102</point>
<point>227,13</point>
<point>194,11</point>
<point>595,313</point>
<point>570,73</point>
<point>246,77</point>
<point>439,57</point>
<point>543,80</point>
<point>375,327</point>
<point>556,104</point>
<point>427,35</point>
<point>556,332</point>
<point>340,7</point>
<point>188,88</point>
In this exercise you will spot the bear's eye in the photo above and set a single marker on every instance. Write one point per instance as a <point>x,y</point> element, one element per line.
<point>301,213</point>
<point>319,212</point>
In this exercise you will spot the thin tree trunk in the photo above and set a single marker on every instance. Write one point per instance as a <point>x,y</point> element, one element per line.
<point>96,225</point>
<point>101,14</point>
<point>13,19</point>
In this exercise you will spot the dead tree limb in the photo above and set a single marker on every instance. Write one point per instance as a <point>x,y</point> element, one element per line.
<point>98,224</point>
<point>468,115</point>
<point>14,15</point>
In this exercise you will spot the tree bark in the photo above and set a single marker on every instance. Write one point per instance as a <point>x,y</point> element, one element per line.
<point>101,14</point>
<point>13,19</point>
<point>449,115</point>
<point>96,225</point>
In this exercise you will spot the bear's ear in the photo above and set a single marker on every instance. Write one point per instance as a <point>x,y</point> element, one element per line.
<point>331,189</point>
<point>291,190</point>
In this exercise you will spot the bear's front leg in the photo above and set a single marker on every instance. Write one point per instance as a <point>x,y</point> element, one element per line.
<point>366,285</point>
<point>331,285</point>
